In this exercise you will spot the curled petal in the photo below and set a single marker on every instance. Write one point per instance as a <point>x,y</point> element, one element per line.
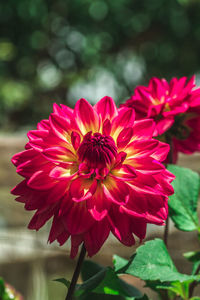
<point>141,148</point>
<point>125,172</point>
<point>59,154</point>
<point>125,118</point>
<point>40,181</point>
<point>124,137</point>
<point>98,205</point>
<point>121,226</point>
<point>67,111</point>
<point>106,127</point>
<point>40,218</point>
<point>139,228</point>
<point>120,159</point>
<point>161,151</point>
<point>28,168</point>
<point>143,129</point>
<point>163,125</point>
<point>37,134</point>
<point>57,229</point>
<point>106,108</point>
<point>82,189</point>
<point>43,125</point>
<point>75,138</point>
<point>116,190</point>
<point>77,219</point>
<point>146,165</point>
<point>23,156</point>
<point>63,237</point>
<point>76,241</point>
<point>86,117</point>
<point>68,172</point>
<point>96,236</point>
<point>60,126</point>
<point>20,188</point>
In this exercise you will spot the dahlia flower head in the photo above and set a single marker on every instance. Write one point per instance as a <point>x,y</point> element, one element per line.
<point>175,107</point>
<point>94,170</point>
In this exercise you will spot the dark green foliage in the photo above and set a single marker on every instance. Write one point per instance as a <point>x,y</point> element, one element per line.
<point>183,203</point>
<point>153,264</point>
<point>103,283</point>
<point>47,47</point>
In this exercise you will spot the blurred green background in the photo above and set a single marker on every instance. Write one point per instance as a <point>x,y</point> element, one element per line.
<point>63,50</point>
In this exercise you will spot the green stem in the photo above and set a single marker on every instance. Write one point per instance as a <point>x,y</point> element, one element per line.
<point>194,283</point>
<point>166,232</point>
<point>170,159</point>
<point>76,274</point>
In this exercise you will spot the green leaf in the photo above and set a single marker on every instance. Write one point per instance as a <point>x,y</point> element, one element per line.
<point>110,284</point>
<point>89,269</point>
<point>113,285</point>
<point>183,203</point>
<point>130,290</point>
<point>152,262</point>
<point>63,281</point>
<point>119,263</point>
<point>179,288</point>
<point>91,283</point>
<point>92,296</point>
<point>104,281</point>
<point>193,256</point>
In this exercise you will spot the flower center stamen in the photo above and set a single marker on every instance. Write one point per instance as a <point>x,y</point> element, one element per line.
<point>97,150</point>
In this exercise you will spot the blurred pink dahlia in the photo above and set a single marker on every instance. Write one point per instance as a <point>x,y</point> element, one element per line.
<point>175,107</point>
<point>94,170</point>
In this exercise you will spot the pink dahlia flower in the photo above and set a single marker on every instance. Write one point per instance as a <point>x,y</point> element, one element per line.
<point>94,170</point>
<point>175,107</point>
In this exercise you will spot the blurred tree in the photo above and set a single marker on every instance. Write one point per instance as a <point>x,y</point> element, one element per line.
<point>62,50</point>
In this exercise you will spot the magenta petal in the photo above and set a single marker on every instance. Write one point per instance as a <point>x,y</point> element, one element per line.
<point>75,138</point>
<point>98,205</point>
<point>40,181</point>
<point>106,108</point>
<point>124,137</point>
<point>43,125</point>
<point>116,190</point>
<point>23,156</point>
<point>125,118</point>
<point>163,125</point>
<point>96,236</point>
<point>57,229</point>
<point>76,241</point>
<point>63,237</point>
<point>60,126</point>
<point>59,154</point>
<point>139,228</point>
<point>39,219</point>
<point>86,117</point>
<point>143,129</point>
<point>107,127</point>
<point>77,219</point>
<point>121,226</point>
<point>20,188</point>
<point>161,151</point>
<point>82,189</point>
<point>37,134</point>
